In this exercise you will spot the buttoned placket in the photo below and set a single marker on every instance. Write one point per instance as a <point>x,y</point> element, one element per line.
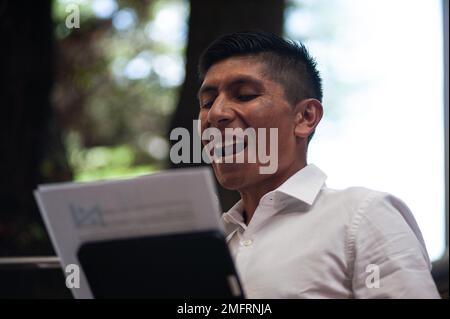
<point>246,233</point>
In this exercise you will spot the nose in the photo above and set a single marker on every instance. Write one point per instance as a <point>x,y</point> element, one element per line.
<point>220,114</point>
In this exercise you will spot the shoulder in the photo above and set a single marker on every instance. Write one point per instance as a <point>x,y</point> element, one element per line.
<point>353,202</point>
<point>362,202</point>
<point>374,216</point>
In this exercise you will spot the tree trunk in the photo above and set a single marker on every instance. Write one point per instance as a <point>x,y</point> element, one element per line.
<point>31,151</point>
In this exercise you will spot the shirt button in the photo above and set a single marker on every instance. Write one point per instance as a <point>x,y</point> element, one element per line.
<point>247,242</point>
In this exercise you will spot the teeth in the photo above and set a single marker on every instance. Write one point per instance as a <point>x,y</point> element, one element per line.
<point>228,149</point>
<point>227,144</point>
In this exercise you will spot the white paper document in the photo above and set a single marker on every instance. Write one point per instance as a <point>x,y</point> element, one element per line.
<point>176,201</point>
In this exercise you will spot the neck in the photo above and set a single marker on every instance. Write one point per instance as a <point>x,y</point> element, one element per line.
<point>252,195</point>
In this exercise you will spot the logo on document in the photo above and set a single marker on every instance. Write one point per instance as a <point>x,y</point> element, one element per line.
<point>86,216</point>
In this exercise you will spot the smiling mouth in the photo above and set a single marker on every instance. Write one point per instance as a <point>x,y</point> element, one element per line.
<point>223,151</point>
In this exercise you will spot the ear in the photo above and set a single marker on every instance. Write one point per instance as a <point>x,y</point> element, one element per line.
<point>308,114</point>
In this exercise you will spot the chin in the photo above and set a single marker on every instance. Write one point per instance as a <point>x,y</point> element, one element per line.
<point>229,177</point>
<point>235,176</point>
<point>230,182</point>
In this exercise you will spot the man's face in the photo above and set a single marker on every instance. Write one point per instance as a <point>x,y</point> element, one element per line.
<point>238,93</point>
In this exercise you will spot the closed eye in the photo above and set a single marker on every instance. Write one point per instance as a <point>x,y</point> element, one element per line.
<point>207,104</point>
<point>246,98</point>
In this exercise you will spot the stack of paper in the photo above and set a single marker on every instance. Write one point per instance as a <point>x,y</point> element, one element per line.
<point>176,201</point>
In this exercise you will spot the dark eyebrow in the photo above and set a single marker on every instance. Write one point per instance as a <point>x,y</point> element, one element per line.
<point>239,80</point>
<point>245,79</point>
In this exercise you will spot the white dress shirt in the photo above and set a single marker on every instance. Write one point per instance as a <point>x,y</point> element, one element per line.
<point>308,241</point>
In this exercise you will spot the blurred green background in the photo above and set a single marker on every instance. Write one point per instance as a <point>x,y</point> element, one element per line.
<point>116,84</point>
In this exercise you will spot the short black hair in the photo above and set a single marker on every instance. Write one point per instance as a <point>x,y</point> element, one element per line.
<point>288,62</point>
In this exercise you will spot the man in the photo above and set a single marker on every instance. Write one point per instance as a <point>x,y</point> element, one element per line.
<point>290,235</point>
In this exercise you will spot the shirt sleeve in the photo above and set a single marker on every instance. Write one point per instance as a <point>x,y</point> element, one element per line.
<point>389,254</point>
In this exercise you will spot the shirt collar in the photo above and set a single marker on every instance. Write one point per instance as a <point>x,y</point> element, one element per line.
<point>234,218</point>
<point>304,185</point>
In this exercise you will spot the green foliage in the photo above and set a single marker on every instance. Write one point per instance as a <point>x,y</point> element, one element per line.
<point>104,162</point>
<point>115,172</point>
<point>117,82</point>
